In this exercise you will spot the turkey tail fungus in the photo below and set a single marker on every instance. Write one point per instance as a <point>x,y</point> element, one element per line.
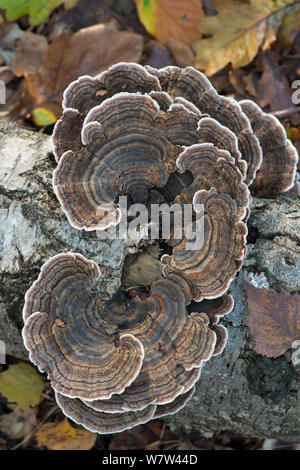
<point>155,137</point>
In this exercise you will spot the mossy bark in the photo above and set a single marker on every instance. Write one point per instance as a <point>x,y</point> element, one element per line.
<point>239,390</point>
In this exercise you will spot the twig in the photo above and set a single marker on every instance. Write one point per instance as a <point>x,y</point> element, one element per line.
<point>162,432</point>
<point>286,112</point>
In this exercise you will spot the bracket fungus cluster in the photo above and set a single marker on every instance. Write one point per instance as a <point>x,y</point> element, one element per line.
<point>150,135</point>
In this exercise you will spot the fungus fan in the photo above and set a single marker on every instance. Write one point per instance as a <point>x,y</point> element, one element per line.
<point>150,135</point>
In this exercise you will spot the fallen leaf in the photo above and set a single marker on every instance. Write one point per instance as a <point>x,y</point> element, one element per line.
<point>165,19</point>
<point>44,116</point>
<point>220,81</point>
<point>87,52</point>
<point>38,10</point>
<point>273,88</point>
<point>22,384</point>
<point>238,31</point>
<point>251,82</point>
<point>244,81</point>
<point>236,78</point>
<point>62,436</point>
<point>31,48</point>
<point>273,319</point>
<point>19,423</point>
<point>182,53</point>
<point>158,56</point>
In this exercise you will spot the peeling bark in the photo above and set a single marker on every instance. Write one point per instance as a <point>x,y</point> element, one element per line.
<point>240,390</point>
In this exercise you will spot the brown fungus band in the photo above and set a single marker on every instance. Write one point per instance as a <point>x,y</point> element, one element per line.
<point>119,356</point>
<point>155,136</point>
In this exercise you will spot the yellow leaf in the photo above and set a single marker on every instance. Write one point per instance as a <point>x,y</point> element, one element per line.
<point>43,117</point>
<point>238,31</point>
<point>22,384</point>
<point>176,19</point>
<point>62,436</point>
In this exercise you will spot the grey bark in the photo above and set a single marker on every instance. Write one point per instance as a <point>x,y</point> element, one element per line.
<point>239,391</point>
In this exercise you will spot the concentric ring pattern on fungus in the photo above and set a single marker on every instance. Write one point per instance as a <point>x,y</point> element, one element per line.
<point>151,136</point>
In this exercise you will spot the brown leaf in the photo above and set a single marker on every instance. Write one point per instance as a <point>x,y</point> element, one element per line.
<point>273,319</point>
<point>273,88</point>
<point>182,53</point>
<point>251,82</point>
<point>244,82</point>
<point>62,436</point>
<point>158,55</point>
<point>236,78</point>
<point>177,19</point>
<point>31,49</point>
<point>220,81</point>
<point>88,52</point>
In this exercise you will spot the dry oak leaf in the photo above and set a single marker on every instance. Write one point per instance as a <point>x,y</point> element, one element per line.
<point>38,10</point>
<point>89,51</point>
<point>22,384</point>
<point>62,436</point>
<point>273,319</point>
<point>238,31</point>
<point>176,19</point>
<point>273,88</point>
